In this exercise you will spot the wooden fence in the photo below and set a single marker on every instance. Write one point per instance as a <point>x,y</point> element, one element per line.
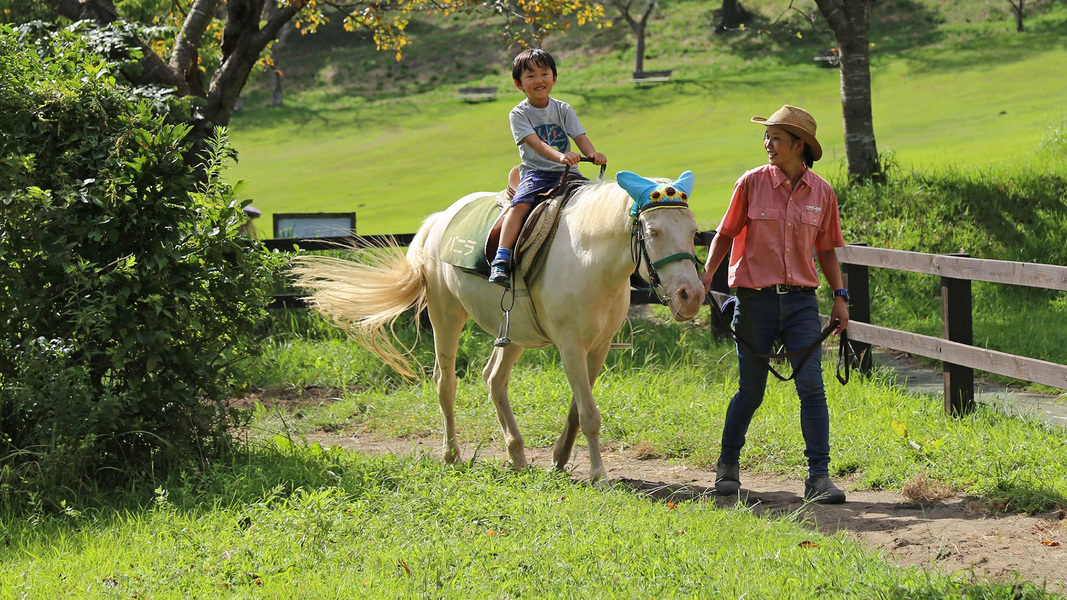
<point>954,348</point>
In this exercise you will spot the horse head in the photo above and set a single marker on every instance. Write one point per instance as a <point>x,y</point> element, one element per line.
<point>664,232</point>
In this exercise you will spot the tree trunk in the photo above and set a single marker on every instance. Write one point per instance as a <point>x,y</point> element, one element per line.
<point>850,21</point>
<point>277,97</point>
<point>243,41</point>
<point>639,27</point>
<point>1017,8</point>
<point>731,17</point>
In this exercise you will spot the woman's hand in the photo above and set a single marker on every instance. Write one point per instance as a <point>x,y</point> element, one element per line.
<point>840,313</point>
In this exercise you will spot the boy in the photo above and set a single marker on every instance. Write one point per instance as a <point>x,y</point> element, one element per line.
<point>541,126</point>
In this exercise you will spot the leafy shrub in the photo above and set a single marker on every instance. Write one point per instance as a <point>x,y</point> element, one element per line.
<point>128,290</point>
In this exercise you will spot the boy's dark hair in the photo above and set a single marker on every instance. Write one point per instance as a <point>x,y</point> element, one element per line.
<point>530,58</point>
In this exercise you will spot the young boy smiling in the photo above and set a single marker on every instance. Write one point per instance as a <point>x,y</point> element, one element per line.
<point>542,127</point>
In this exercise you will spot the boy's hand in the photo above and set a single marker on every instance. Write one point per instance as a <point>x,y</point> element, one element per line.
<point>570,158</point>
<point>598,158</point>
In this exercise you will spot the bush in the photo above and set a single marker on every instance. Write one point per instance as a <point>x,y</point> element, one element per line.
<point>128,290</point>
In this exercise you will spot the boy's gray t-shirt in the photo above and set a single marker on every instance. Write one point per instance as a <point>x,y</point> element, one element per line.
<point>554,124</point>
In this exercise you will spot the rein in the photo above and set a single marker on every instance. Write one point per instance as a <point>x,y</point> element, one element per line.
<point>845,352</point>
<point>639,252</point>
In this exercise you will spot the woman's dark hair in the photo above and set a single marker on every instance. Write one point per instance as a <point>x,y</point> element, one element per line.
<point>530,58</point>
<point>809,154</point>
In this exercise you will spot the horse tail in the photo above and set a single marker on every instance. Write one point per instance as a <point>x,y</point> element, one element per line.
<point>365,294</point>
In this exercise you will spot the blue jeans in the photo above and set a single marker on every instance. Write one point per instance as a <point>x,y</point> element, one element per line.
<point>760,317</point>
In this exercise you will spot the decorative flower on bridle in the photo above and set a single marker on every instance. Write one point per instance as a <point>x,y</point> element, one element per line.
<point>648,194</point>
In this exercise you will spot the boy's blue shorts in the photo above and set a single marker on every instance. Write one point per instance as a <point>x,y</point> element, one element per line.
<point>535,183</point>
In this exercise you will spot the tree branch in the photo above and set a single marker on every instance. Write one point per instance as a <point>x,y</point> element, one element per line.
<point>185,58</point>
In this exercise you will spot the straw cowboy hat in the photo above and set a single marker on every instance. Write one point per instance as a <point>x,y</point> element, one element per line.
<point>797,121</point>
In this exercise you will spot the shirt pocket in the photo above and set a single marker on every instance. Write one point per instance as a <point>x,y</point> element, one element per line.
<point>763,213</point>
<point>810,215</point>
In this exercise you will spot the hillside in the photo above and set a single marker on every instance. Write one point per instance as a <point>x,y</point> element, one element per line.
<point>455,51</point>
<point>356,123</point>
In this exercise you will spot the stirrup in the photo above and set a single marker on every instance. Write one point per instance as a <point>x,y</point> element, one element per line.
<point>502,338</point>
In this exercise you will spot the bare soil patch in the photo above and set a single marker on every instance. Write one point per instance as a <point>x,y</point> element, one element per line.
<point>955,535</point>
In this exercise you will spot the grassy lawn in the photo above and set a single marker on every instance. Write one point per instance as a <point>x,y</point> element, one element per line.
<point>287,519</point>
<point>347,526</point>
<point>668,396</point>
<point>394,161</point>
<point>955,88</point>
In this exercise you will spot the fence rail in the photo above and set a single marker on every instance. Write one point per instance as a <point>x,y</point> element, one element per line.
<point>955,347</point>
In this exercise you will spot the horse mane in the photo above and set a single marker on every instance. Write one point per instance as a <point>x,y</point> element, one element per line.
<point>598,209</point>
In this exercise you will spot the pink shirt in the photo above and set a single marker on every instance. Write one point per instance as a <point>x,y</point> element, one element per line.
<point>776,229</point>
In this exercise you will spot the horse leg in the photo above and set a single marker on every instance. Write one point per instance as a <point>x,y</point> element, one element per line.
<point>446,330</point>
<point>561,450</point>
<point>497,373</point>
<point>582,368</point>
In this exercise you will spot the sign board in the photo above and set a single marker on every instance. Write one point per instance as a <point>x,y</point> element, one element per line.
<point>314,225</point>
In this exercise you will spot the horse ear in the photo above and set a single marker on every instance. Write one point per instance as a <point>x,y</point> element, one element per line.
<point>638,187</point>
<point>685,183</point>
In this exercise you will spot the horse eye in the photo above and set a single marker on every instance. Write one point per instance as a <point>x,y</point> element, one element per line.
<point>669,191</point>
<point>655,195</point>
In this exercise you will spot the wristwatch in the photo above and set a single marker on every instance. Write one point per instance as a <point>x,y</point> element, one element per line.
<point>843,293</point>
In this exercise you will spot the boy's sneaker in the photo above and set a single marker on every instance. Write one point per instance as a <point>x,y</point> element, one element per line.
<point>500,273</point>
<point>821,490</point>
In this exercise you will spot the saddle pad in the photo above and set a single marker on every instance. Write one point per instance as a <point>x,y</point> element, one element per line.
<point>463,244</point>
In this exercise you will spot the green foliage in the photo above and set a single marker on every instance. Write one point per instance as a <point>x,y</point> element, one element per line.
<point>127,289</point>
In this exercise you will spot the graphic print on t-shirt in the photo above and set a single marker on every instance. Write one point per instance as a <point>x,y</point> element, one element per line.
<point>554,136</point>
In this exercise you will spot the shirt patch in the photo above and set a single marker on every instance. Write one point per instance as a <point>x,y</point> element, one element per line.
<point>554,136</point>
<point>814,208</point>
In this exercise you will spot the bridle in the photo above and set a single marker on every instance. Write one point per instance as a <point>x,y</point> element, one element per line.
<point>639,250</point>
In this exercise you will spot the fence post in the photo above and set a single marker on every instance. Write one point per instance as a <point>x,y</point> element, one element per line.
<point>957,326</point>
<point>857,280</point>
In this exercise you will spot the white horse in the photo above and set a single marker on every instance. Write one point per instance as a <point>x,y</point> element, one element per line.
<point>578,301</point>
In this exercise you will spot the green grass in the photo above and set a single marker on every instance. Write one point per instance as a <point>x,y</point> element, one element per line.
<point>669,395</point>
<point>291,521</point>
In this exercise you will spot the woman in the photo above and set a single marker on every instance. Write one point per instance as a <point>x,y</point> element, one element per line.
<point>780,215</point>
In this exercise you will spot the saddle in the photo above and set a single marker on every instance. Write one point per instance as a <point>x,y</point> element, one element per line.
<point>473,234</point>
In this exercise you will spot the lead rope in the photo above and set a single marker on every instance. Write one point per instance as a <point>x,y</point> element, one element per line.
<point>806,352</point>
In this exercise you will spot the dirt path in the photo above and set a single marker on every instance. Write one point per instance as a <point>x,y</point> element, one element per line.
<point>956,535</point>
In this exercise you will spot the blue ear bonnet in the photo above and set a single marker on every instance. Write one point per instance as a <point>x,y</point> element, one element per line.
<point>650,194</point>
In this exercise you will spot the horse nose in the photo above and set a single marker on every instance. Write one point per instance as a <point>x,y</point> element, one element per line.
<point>691,296</point>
